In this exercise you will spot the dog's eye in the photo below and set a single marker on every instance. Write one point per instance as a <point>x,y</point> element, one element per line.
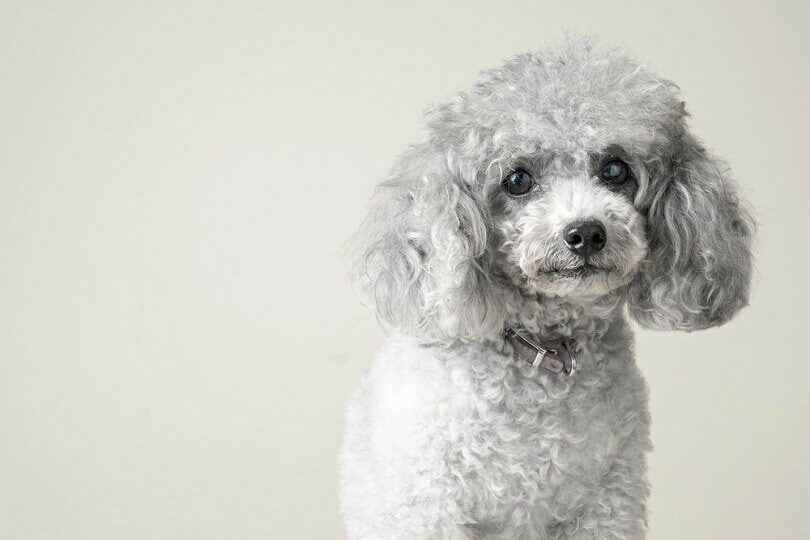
<point>519,182</point>
<point>614,171</point>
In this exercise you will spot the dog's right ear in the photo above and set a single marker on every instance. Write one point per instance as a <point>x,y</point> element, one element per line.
<point>422,255</point>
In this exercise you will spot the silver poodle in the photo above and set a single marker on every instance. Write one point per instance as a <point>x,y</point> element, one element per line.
<point>563,191</point>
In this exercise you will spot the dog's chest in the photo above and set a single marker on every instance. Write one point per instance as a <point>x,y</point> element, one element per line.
<point>492,440</point>
<point>522,434</point>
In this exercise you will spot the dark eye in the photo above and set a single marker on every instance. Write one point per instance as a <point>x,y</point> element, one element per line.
<point>519,182</point>
<point>614,171</point>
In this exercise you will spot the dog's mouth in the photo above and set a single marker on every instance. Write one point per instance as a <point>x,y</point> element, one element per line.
<point>578,272</point>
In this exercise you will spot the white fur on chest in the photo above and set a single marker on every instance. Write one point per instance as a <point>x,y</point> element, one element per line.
<point>478,436</point>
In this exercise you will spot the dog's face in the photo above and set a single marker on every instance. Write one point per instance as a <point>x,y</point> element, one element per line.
<point>569,173</point>
<point>566,225</point>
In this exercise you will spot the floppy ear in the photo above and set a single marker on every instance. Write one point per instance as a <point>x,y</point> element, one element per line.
<point>698,269</point>
<point>423,256</point>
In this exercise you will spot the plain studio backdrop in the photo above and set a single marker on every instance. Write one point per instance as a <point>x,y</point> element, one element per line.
<point>178,334</point>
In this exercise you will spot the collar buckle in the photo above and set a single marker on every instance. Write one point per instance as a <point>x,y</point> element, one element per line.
<point>558,357</point>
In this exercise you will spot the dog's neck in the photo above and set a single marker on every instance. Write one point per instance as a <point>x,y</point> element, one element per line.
<point>550,318</point>
<point>560,329</point>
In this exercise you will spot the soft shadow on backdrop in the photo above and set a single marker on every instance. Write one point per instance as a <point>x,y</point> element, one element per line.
<point>177,331</point>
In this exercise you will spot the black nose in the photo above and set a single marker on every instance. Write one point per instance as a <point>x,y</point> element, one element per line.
<point>585,237</point>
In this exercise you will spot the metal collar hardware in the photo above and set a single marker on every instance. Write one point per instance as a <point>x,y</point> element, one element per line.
<point>556,356</point>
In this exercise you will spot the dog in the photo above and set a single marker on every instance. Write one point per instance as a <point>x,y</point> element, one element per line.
<point>563,195</point>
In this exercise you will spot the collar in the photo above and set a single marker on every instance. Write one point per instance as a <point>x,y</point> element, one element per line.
<point>555,356</point>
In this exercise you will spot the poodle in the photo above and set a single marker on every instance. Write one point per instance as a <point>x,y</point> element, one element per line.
<point>561,196</point>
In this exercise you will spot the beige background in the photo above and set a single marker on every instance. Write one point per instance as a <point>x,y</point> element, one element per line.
<point>177,331</point>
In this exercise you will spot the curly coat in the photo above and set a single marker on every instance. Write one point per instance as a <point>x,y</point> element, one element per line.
<point>451,435</point>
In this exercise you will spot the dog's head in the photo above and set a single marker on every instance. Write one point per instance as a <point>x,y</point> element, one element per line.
<point>567,173</point>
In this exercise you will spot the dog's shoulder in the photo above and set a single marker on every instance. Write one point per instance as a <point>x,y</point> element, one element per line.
<point>407,376</point>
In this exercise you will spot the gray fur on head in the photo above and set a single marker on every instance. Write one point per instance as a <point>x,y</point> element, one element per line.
<point>444,254</point>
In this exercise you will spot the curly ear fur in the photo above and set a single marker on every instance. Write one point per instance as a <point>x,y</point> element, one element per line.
<point>423,250</point>
<point>698,269</point>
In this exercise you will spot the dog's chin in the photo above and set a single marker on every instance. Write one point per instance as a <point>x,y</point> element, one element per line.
<point>584,281</point>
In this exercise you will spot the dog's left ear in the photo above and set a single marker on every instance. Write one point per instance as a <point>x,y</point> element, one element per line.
<point>698,269</point>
